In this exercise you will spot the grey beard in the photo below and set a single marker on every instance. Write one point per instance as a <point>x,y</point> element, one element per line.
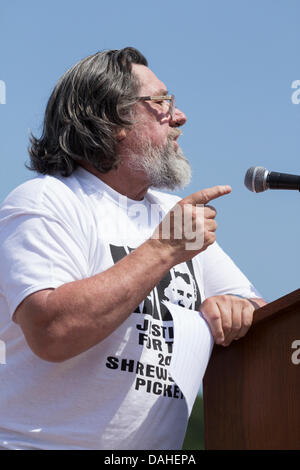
<point>165,167</point>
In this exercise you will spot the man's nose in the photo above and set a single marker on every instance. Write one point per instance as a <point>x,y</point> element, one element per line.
<point>178,119</point>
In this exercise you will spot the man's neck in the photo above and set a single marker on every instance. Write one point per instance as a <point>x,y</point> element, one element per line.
<point>122,180</point>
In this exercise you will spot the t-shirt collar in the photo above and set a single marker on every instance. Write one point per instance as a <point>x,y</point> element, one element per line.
<point>95,183</point>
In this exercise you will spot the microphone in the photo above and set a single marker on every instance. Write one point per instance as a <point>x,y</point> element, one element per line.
<point>258,179</point>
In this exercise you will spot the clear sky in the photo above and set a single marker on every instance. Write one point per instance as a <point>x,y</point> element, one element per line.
<point>231,65</point>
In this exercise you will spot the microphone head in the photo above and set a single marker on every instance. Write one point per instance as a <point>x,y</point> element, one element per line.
<point>256,179</point>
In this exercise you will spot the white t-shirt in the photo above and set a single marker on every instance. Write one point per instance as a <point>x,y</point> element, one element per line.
<point>118,394</point>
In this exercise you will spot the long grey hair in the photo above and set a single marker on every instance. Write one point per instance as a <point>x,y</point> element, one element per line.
<point>90,102</point>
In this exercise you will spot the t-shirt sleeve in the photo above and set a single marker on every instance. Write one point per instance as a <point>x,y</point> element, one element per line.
<point>37,251</point>
<point>222,276</point>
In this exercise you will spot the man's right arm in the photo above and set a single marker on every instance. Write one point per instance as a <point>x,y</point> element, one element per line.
<point>61,323</point>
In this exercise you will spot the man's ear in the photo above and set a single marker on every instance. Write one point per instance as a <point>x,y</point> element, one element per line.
<point>121,134</point>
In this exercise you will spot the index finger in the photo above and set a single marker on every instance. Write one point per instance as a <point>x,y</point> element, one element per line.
<point>212,315</point>
<point>207,194</point>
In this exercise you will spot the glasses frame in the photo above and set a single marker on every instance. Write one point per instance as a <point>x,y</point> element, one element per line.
<point>170,98</point>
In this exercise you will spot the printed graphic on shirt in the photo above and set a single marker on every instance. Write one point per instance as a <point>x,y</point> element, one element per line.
<point>179,286</point>
<point>154,329</point>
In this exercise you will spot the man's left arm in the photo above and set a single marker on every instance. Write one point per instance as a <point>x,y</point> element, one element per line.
<point>229,316</point>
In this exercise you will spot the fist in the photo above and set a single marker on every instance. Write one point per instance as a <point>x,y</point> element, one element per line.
<point>229,317</point>
<point>190,226</point>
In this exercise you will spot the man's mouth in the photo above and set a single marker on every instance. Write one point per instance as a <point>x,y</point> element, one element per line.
<point>175,136</point>
<point>178,133</point>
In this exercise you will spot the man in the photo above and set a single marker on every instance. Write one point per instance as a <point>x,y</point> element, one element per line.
<point>83,277</point>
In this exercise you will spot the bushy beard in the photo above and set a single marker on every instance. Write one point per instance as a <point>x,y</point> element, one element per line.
<point>164,166</point>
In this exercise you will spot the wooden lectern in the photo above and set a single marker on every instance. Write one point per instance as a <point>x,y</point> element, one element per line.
<point>251,389</point>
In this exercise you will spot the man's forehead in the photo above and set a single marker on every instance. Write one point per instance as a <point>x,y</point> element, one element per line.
<point>150,84</point>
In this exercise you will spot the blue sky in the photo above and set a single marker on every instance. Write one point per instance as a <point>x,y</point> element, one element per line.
<point>231,65</point>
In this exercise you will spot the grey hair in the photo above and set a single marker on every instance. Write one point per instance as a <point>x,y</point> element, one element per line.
<point>90,102</point>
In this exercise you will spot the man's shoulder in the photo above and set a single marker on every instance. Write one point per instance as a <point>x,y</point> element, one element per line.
<point>42,194</point>
<point>38,183</point>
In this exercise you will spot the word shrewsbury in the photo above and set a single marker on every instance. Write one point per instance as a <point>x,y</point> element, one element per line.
<point>161,387</point>
<point>151,459</point>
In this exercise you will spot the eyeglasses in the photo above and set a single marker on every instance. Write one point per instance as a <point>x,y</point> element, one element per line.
<point>161,100</point>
